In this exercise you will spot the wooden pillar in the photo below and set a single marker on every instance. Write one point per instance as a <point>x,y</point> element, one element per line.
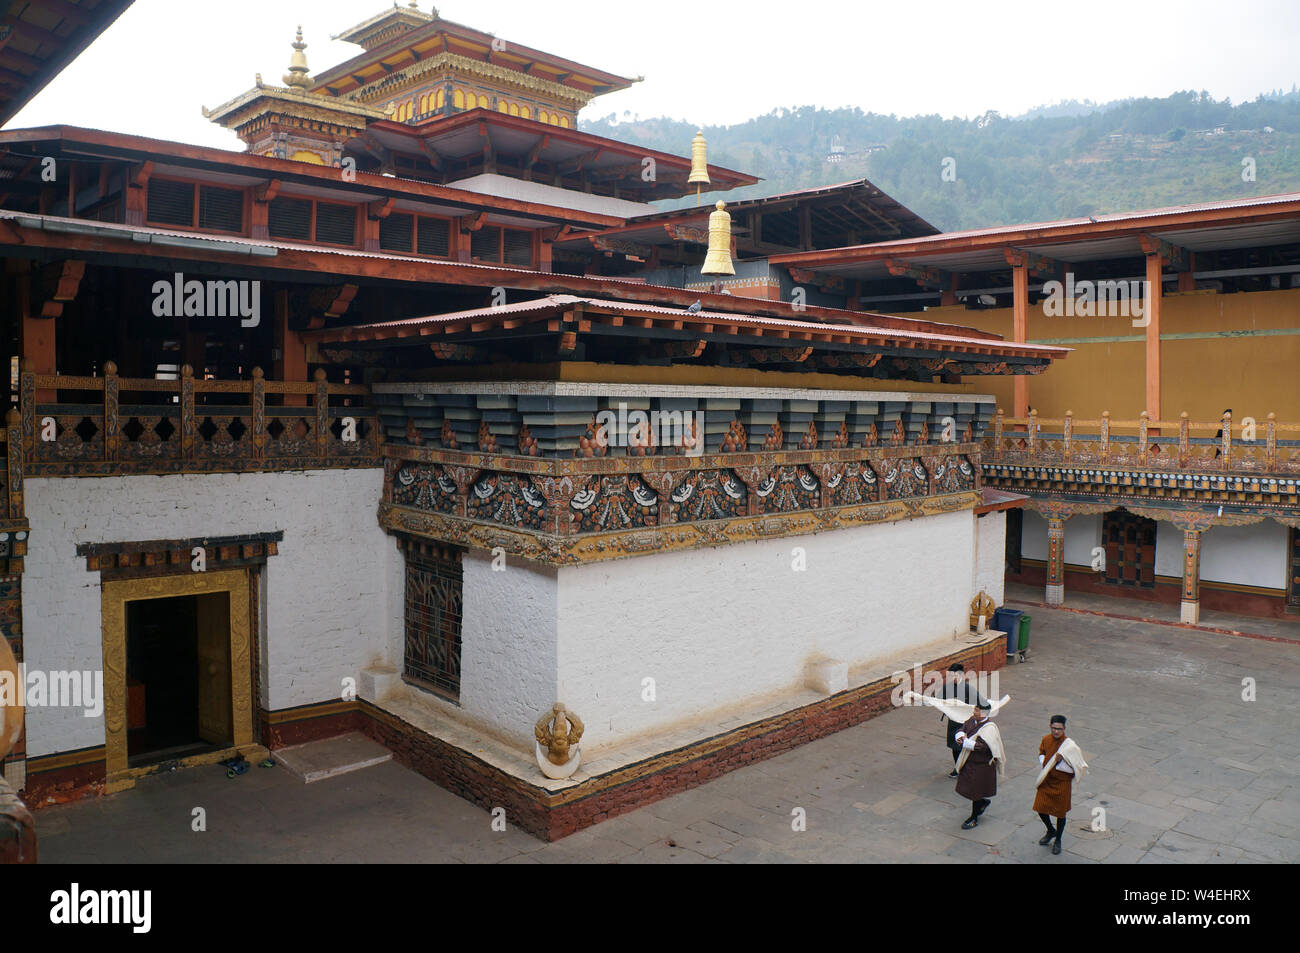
<point>1187,277</point>
<point>1152,315</point>
<point>1055,560</point>
<point>1191,607</point>
<point>544,256</point>
<point>35,334</point>
<point>948,298</point>
<point>1020,329</point>
<point>292,362</point>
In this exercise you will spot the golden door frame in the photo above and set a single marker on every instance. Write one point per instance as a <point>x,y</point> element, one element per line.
<point>114,596</point>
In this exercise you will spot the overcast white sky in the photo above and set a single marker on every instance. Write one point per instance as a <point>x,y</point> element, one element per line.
<point>708,61</point>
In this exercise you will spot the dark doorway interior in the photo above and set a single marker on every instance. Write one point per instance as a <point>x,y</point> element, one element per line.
<point>1015,530</point>
<point>162,675</point>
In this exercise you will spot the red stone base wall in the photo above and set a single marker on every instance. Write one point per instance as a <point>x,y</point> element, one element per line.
<point>549,815</point>
<point>555,815</point>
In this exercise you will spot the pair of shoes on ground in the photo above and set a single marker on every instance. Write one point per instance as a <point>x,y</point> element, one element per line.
<point>1048,839</point>
<point>969,823</point>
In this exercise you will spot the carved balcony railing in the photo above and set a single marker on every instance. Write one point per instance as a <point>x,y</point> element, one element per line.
<point>128,425</point>
<point>13,517</point>
<point>1243,465</point>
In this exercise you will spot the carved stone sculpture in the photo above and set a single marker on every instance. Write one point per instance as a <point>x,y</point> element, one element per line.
<point>558,732</point>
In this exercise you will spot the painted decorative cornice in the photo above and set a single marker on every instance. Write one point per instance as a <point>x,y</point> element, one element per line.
<point>393,83</point>
<point>598,547</point>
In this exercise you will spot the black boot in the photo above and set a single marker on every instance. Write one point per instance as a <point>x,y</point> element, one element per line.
<point>1060,829</point>
<point>1051,833</point>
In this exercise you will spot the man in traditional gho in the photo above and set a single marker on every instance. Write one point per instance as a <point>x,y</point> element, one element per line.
<point>1061,763</point>
<point>980,756</point>
<point>981,760</point>
<point>958,688</point>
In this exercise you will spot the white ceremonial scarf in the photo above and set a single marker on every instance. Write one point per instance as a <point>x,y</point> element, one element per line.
<point>993,738</point>
<point>1070,753</point>
<point>959,711</point>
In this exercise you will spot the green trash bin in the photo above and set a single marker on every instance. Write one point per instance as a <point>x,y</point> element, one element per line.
<point>1024,635</point>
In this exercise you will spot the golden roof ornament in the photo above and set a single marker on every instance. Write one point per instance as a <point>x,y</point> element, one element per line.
<point>699,161</point>
<point>718,259</point>
<point>297,75</point>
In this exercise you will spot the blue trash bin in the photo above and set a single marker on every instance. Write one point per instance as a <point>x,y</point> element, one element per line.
<point>1008,621</point>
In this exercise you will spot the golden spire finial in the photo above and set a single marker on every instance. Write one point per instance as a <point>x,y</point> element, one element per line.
<point>718,259</point>
<point>699,164</point>
<point>297,75</point>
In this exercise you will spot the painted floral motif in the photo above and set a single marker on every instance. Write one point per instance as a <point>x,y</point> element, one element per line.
<point>507,499</point>
<point>708,495</point>
<point>425,487</point>
<point>788,489</point>
<point>857,484</point>
<point>614,502</point>
<point>906,478</point>
<point>954,475</point>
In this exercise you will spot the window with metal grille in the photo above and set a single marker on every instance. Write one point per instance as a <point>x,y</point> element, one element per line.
<point>518,248</point>
<point>434,237</point>
<point>171,203</point>
<point>221,209</point>
<point>433,620</point>
<point>289,218</point>
<point>396,232</point>
<point>485,244</point>
<point>336,224</point>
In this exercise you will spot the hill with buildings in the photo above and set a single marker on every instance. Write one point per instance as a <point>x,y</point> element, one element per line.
<point>1059,161</point>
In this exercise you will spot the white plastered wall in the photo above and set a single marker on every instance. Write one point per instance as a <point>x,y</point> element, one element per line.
<point>1253,555</point>
<point>990,556</point>
<point>328,608</point>
<point>717,628</point>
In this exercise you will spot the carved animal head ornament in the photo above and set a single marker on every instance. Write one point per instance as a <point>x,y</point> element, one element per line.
<point>557,731</point>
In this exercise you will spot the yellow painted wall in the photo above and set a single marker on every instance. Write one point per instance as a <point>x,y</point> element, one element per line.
<point>1252,375</point>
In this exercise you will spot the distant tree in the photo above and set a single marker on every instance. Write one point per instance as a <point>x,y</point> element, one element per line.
<point>1174,135</point>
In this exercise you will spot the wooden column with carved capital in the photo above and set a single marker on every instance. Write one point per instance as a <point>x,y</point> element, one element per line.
<point>1055,595</point>
<point>1191,605</point>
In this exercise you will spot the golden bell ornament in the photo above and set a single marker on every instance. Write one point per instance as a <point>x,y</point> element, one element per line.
<point>718,260</point>
<point>699,161</point>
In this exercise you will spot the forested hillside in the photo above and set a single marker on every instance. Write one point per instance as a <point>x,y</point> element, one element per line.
<point>1054,162</point>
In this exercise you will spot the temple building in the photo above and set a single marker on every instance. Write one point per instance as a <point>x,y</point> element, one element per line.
<point>1162,460</point>
<point>419,418</point>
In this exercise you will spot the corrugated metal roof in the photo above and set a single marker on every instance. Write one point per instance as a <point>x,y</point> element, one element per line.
<point>559,303</point>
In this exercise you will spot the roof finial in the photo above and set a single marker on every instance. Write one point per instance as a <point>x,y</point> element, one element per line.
<point>297,75</point>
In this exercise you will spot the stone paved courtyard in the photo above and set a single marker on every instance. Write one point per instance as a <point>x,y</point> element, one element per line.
<point>1185,769</point>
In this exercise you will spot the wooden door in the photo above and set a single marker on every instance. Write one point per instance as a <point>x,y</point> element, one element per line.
<point>1130,549</point>
<point>215,709</point>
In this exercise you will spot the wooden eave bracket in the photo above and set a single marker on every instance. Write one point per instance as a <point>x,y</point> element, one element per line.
<point>1176,256</point>
<point>1040,265</point>
<point>62,280</point>
<point>472,223</point>
<point>933,279</point>
<point>267,191</point>
<point>380,208</point>
<point>137,176</point>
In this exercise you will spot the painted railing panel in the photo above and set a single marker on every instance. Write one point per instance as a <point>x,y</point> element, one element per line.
<point>1219,446</point>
